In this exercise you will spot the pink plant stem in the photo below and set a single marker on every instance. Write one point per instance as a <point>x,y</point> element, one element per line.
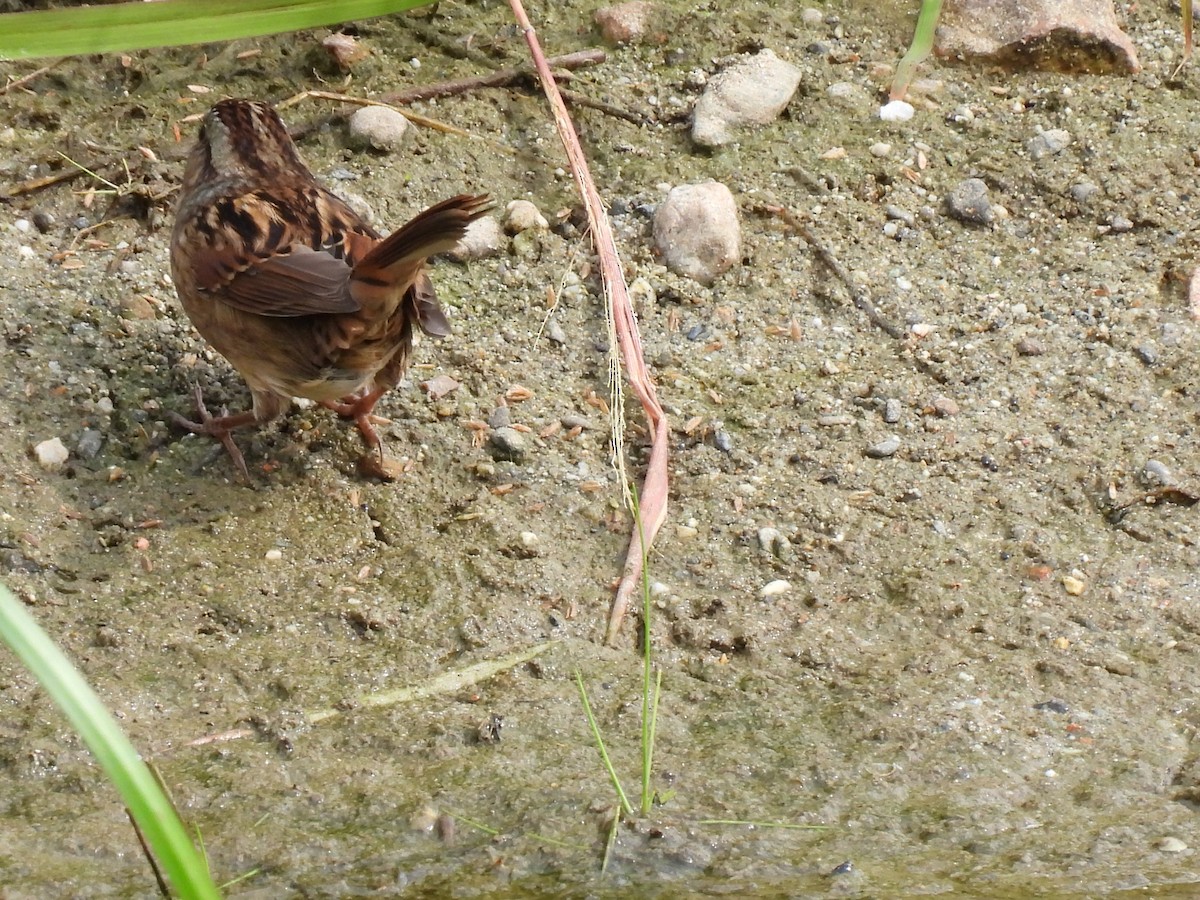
<point>652,500</point>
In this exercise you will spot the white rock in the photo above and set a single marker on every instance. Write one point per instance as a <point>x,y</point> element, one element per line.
<point>775,588</point>
<point>896,111</point>
<point>483,238</point>
<point>51,454</point>
<point>378,127</point>
<point>521,215</point>
<point>697,231</point>
<point>753,91</point>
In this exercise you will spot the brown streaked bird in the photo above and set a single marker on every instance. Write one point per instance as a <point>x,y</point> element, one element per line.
<point>295,289</point>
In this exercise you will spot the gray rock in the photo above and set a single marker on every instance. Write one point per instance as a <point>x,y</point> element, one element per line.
<point>1048,143</point>
<point>753,91</point>
<point>884,448</point>
<point>508,444</point>
<point>968,202</point>
<point>697,231</point>
<point>89,444</point>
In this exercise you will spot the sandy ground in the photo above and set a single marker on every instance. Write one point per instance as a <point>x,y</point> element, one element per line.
<point>982,680</point>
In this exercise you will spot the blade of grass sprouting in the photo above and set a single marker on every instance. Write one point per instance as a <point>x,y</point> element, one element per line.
<point>137,26</point>
<point>609,843</point>
<point>922,43</point>
<point>594,725</point>
<point>146,801</point>
<point>648,746</point>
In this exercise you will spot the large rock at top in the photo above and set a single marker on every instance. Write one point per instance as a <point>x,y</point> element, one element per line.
<point>1059,35</point>
<point>752,91</point>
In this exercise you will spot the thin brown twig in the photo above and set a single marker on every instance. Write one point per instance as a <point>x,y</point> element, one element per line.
<point>455,86</point>
<point>858,294</point>
<point>25,79</point>
<point>500,78</point>
<point>652,499</point>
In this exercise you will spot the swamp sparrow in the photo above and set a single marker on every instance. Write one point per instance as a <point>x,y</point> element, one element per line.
<point>295,289</point>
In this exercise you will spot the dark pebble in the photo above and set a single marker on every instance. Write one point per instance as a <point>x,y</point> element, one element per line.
<point>507,443</point>
<point>42,220</point>
<point>1054,706</point>
<point>968,202</point>
<point>89,444</point>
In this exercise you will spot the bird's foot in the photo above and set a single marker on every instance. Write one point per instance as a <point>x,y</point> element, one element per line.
<point>220,427</point>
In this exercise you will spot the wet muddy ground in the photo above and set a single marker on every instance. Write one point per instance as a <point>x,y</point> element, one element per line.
<point>982,677</point>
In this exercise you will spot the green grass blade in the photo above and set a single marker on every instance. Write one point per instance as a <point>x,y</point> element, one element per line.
<point>612,773</point>
<point>137,26</point>
<point>922,44</point>
<point>146,801</point>
<point>648,745</point>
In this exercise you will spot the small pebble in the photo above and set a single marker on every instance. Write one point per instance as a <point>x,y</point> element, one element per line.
<point>896,111</point>
<point>501,417</point>
<point>522,215</point>
<point>1084,192</point>
<point>1155,472</point>
<point>1048,143</point>
<point>968,202</point>
<point>880,149</point>
<point>51,454</point>
<point>273,555</point>
<point>89,444</point>
<point>378,127</point>
<point>900,215</point>
<point>812,17</point>
<point>529,540</point>
<point>884,449</point>
<point>507,443</point>
<point>945,407</point>
<point>1171,844</point>
<point>42,220</point>
<point>961,115</point>
<point>1030,347</point>
<point>1120,224</point>
<point>774,542</point>
<point>1073,585</point>
<point>1147,353</point>
<point>555,333</point>
<point>775,588</point>
<point>891,411</point>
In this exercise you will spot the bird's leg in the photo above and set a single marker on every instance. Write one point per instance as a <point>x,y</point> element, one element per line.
<point>220,428</point>
<point>361,410</point>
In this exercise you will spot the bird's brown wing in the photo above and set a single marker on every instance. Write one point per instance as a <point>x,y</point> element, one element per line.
<point>300,282</point>
<point>275,255</point>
